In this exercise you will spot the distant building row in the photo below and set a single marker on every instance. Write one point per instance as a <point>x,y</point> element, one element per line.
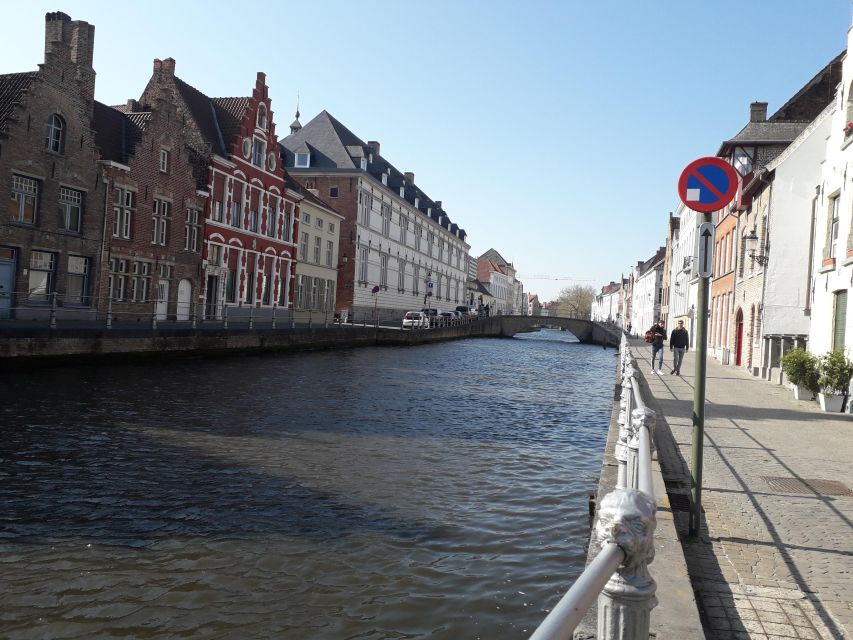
<point>783,249</point>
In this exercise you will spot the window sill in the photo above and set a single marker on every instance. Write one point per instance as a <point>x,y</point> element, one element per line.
<point>826,268</point>
<point>847,142</point>
<point>847,262</point>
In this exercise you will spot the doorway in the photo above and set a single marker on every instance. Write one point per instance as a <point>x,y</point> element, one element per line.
<point>739,337</point>
<point>162,299</point>
<point>7,281</point>
<point>185,292</point>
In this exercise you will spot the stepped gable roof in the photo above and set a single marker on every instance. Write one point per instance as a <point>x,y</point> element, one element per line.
<point>12,88</point>
<point>117,133</point>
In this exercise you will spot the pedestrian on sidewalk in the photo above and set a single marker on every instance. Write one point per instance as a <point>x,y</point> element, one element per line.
<point>679,342</point>
<point>658,336</point>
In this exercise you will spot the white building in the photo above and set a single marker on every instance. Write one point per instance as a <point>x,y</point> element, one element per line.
<point>684,279</point>
<point>607,305</point>
<point>646,296</point>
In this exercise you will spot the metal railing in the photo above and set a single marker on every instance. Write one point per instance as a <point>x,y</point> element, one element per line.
<point>618,575</point>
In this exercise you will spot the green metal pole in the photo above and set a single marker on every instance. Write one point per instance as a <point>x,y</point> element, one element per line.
<point>699,400</point>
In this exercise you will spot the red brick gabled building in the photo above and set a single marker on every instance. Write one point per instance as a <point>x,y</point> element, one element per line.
<point>50,235</point>
<point>154,212</point>
<point>251,219</point>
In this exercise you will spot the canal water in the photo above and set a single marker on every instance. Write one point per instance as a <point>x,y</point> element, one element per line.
<point>425,492</point>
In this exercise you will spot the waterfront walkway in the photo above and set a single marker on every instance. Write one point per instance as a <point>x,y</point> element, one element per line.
<point>775,557</point>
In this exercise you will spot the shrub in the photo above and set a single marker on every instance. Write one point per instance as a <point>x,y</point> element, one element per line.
<point>835,372</point>
<point>801,369</point>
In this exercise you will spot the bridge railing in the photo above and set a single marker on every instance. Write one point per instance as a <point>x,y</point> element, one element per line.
<point>618,575</point>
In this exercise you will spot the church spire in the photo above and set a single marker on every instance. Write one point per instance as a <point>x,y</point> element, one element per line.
<point>296,125</point>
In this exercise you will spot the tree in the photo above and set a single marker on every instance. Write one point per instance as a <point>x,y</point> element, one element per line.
<point>574,301</point>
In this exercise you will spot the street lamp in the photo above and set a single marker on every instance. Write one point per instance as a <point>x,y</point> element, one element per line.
<point>752,244</point>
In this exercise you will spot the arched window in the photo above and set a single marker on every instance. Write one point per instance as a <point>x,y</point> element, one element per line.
<point>262,116</point>
<point>55,133</point>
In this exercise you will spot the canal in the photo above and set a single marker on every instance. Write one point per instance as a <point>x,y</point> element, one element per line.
<point>428,492</point>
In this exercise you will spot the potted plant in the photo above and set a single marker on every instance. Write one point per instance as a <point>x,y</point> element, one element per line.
<point>800,369</point>
<point>835,373</point>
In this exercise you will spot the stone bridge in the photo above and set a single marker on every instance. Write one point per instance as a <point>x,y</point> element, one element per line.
<point>584,329</point>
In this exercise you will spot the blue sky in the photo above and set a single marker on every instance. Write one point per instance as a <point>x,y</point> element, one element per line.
<point>554,132</point>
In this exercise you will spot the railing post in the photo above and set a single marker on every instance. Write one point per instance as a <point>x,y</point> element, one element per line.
<point>292,318</point>
<point>326,319</point>
<point>194,311</point>
<point>627,518</point>
<point>274,307</point>
<point>624,420</point>
<point>252,316</point>
<point>154,316</point>
<point>224,316</point>
<point>310,319</point>
<point>110,311</point>
<point>53,310</point>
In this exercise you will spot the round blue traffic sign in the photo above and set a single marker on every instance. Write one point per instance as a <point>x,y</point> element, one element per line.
<point>707,184</point>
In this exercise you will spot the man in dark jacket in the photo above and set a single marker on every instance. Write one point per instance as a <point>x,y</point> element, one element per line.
<point>658,337</point>
<point>679,342</point>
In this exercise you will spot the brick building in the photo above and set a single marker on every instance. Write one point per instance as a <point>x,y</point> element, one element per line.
<point>251,219</point>
<point>154,213</point>
<point>50,239</point>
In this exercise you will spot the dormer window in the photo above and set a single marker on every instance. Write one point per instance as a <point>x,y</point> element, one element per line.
<point>742,160</point>
<point>370,158</point>
<point>262,116</point>
<point>402,191</point>
<point>385,179</point>
<point>303,160</point>
<point>364,164</point>
<point>417,202</point>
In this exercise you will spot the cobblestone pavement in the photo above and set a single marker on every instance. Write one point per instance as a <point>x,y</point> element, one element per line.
<point>775,556</point>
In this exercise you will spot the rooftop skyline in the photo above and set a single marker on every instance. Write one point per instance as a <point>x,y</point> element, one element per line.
<point>554,132</point>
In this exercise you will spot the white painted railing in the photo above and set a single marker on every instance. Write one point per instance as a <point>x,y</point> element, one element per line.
<point>618,576</point>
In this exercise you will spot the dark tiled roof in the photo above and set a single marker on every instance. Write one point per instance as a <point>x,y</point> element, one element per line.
<point>12,88</point>
<point>808,102</point>
<point>229,113</point>
<point>204,113</point>
<point>117,133</point>
<point>768,132</point>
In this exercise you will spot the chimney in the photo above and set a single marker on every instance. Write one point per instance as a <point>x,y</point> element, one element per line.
<point>56,25</point>
<point>169,66</point>
<point>132,106</point>
<point>438,204</point>
<point>374,146</point>
<point>83,44</point>
<point>758,112</point>
<point>409,178</point>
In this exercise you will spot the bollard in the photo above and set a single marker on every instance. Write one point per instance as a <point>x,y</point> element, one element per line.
<point>626,517</point>
<point>110,312</point>
<point>273,315</point>
<point>53,310</point>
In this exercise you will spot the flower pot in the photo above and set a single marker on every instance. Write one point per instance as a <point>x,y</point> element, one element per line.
<point>803,393</point>
<point>830,403</point>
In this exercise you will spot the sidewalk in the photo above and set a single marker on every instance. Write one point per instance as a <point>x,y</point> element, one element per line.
<point>775,558</point>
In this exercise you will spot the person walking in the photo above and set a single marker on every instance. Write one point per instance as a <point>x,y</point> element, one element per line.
<point>679,342</point>
<point>658,336</point>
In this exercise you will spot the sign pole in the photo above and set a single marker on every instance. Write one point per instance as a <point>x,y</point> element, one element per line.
<point>706,185</point>
<point>698,442</point>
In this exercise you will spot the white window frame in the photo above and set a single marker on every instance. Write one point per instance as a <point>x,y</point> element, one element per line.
<point>191,230</point>
<point>302,160</point>
<point>71,201</point>
<point>164,161</point>
<point>25,190</point>
<point>160,217</point>
<point>363,257</point>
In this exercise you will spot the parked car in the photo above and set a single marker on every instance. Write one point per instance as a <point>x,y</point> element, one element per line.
<point>466,310</point>
<point>446,318</point>
<point>415,320</point>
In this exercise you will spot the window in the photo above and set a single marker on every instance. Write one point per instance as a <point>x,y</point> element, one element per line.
<point>385,179</point>
<point>438,287</point>
<point>743,160</point>
<point>303,246</point>
<point>320,284</point>
<point>214,255</point>
<point>118,279</point>
<point>333,192</point>
<point>303,160</point>
<point>216,213</point>
<point>430,240</point>
<point>404,228</point>
<point>440,250</point>
<point>401,276</point>
<point>330,295</point>
<point>55,134</point>
<point>318,223</point>
<point>366,206</point>
<point>839,320</point>
<point>164,161</point>
<point>254,221</point>
<point>22,207</point>
<point>124,204</point>
<point>160,216</point>
<point>330,250</point>
<point>331,227</point>
<point>288,222</point>
<point>191,228</point>
<point>272,218</point>
<point>231,286</point>
<point>833,229</point>
<point>306,217</point>
<point>362,264</point>
<point>140,283</point>
<point>419,232</point>
<point>383,270</point>
<point>386,220</point>
<point>416,279</point>
<point>315,282</point>
<point>237,207</point>
<point>300,291</point>
<point>363,164</point>
<point>259,151</point>
<point>70,209</point>
<point>41,276</point>
<point>262,116</point>
<point>317,250</point>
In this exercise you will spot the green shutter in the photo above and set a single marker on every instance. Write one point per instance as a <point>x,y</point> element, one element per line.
<point>839,321</point>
